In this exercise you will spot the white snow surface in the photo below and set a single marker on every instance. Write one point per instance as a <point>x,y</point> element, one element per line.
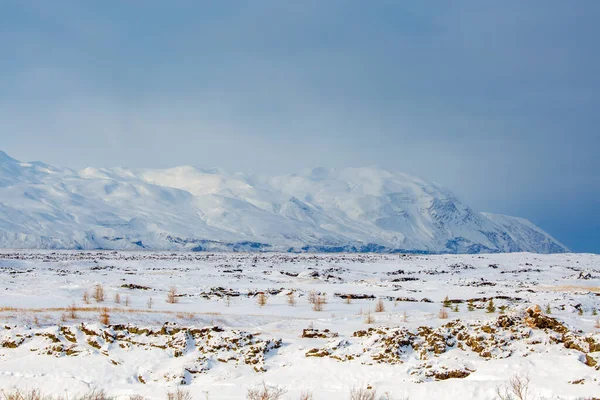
<point>203,340</point>
<point>184,208</point>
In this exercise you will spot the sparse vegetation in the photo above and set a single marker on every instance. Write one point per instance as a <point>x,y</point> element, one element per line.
<point>180,394</point>
<point>471,306</point>
<point>319,302</point>
<point>348,299</point>
<point>127,301</point>
<point>117,298</point>
<point>261,299</point>
<point>291,299</point>
<point>86,297</point>
<point>491,307</point>
<point>149,303</point>
<point>456,309</point>
<point>447,303</point>
<point>306,395</point>
<point>265,393</point>
<point>517,388</point>
<point>99,293</point>
<point>36,394</point>
<point>443,314</point>
<point>379,306</point>
<point>363,394</point>
<point>369,319</point>
<point>548,309</point>
<point>104,316</point>
<point>72,310</point>
<point>172,295</point>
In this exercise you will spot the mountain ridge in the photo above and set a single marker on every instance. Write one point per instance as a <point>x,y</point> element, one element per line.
<point>185,208</point>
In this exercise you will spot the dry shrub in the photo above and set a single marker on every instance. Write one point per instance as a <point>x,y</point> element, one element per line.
<point>149,302</point>
<point>172,295</point>
<point>306,395</point>
<point>127,301</point>
<point>348,299</point>
<point>228,301</point>
<point>95,394</point>
<point>369,319</point>
<point>136,397</point>
<point>86,297</point>
<point>319,302</point>
<point>517,388</point>
<point>33,394</point>
<point>104,316</point>
<point>291,299</point>
<point>99,293</point>
<point>117,298</point>
<point>185,315</point>
<point>265,393</point>
<point>362,394</point>
<point>179,394</point>
<point>443,314</point>
<point>379,306</point>
<point>36,394</point>
<point>72,310</point>
<point>312,296</point>
<point>261,299</point>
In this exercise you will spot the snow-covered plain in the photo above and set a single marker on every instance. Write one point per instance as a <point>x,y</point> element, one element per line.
<point>218,341</point>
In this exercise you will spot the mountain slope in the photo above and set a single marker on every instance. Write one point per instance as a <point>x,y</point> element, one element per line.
<point>351,209</point>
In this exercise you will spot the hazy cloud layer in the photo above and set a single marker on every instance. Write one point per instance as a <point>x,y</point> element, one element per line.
<point>496,100</point>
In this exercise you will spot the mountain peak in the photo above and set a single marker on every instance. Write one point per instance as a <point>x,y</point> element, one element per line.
<point>319,209</point>
<point>6,158</point>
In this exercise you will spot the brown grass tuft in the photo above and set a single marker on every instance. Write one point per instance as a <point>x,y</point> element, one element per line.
<point>291,299</point>
<point>261,299</point>
<point>104,316</point>
<point>379,306</point>
<point>363,394</point>
<point>319,302</point>
<point>306,395</point>
<point>265,393</point>
<point>72,311</point>
<point>98,293</point>
<point>443,314</point>
<point>172,295</point>
<point>179,394</point>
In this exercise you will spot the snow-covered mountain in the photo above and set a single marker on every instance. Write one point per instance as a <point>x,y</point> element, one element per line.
<point>351,209</point>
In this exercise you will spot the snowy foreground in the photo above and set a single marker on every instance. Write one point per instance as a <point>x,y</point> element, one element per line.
<point>214,337</point>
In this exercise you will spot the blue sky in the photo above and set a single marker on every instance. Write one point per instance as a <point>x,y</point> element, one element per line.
<point>498,101</point>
